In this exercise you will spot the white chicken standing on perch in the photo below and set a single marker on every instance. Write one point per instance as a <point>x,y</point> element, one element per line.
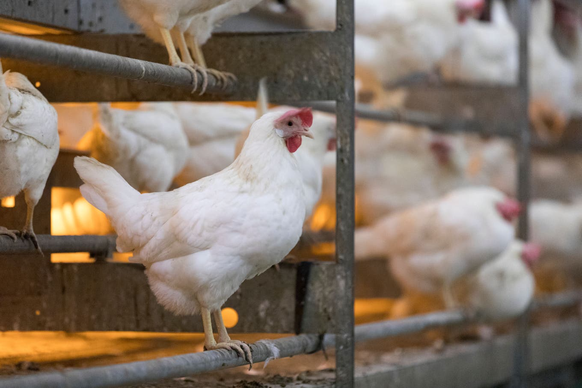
<point>504,287</point>
<point>201,241</point>
<point>147,146</point>
<point>432,245</point>
<point>29,145</point>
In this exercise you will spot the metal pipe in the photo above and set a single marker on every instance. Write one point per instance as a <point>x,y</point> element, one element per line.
<point>165,368</point>
<point>188,364</point>
<point>345,203</point>
<point>97,246</point>
<point>76,58</point>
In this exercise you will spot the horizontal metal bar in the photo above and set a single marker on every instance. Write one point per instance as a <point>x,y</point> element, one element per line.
<point>307,69</point>
<point>48,53</point>
<point>101,246</point>
<point>433,121</point>
<point>183,365</point>
<point>167,367</point>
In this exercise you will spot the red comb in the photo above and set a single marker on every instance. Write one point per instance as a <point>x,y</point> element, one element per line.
<point>304,114</point>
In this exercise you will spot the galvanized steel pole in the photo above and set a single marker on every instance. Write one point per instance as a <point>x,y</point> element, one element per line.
<point>345,201</point>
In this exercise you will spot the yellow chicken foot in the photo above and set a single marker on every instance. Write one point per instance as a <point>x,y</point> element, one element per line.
<point>223,337</point>
<point>27,232</point>
<point>7,232</point>
<point>221,77</point>
<point>187,58</point>
<point>175,60</point>
<point>211,344</point>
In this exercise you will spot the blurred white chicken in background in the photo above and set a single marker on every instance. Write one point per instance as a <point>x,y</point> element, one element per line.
<point>551,76</point>
<point>411,36</point>
<point>29,145</point>
<point>557,227</point>
<point>201,241</point>
<point>430,246</point>
<point>147,146</point>
<point>166,21</point>
<point>212,130</point>
<point>398,166</point>
<point>502,288</point>
<point>487,51</point>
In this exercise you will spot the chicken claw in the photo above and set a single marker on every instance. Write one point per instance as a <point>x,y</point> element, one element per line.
<point>30,235</point>
<point>192,69</point>
<point>8,232</point>
<point>241,348</point>
<point>222,77</point>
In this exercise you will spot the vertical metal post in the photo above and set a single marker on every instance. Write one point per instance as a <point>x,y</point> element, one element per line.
<point>345,201</point>
<point>522,143</point>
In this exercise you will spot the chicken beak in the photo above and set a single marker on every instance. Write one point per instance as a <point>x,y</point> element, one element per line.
<point>308,134</point>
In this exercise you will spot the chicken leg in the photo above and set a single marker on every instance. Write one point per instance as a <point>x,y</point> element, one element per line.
<point>450,302</point>
<point>224,341</point>
<point>31,197</point>
<point>175,59</point>
<point>222,77</point>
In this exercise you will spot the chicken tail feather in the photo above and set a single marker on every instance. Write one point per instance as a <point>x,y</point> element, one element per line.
<point>103,187</point>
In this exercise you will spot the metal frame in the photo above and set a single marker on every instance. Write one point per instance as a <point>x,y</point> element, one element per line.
<point>189,364</point>
<point>329,79</point>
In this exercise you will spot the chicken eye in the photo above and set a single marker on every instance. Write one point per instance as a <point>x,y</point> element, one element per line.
<point>290,123</point>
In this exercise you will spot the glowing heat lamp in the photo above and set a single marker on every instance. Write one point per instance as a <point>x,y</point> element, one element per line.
<point>8,202</point>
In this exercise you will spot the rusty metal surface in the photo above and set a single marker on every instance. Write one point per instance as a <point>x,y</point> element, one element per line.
<point>114,296</point>
<point>309,68</point>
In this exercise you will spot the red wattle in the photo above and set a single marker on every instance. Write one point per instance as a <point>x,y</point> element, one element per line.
<point>293,143</point>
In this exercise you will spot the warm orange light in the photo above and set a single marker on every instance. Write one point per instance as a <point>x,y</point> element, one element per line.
<point>37,84</point>
<point>15,27</point>
<point>8,202</point>
<point>230,317</point>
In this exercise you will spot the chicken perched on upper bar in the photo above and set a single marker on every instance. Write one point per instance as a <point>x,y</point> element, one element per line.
<point>29,144</point>
<point>187,23</point>
<point>431,245</point>
<point>201,241</point>
<point>504,287</point>
<point>147,146</point>
<point>168,20</point>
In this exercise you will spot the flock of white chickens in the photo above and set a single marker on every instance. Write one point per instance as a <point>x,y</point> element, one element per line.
<point>438,208</point>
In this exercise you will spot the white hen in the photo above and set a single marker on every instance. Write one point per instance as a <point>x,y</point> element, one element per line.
<point>551,75</point>
<point>433,244</point>
<point>557,227</point>
<point>147,146</point>
<point>201,241</point>
<point>29,144</point>
<point>398,166</point>
<point>504,287</point>
<point>212,130</point>
<point>487,52</point>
